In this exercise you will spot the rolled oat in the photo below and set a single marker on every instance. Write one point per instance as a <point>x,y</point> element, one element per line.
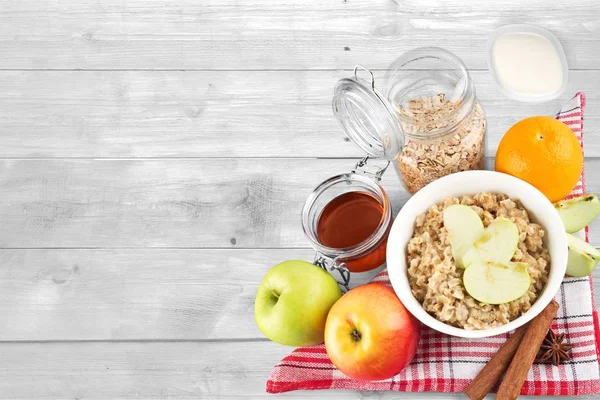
<point>461,148</point>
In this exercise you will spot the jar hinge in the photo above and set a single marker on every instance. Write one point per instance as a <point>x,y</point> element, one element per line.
<point>373,171</point>
<point>330,265</point>
<point>358,67</point>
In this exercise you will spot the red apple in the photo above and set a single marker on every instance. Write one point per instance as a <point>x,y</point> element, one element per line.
<point>369,334</point>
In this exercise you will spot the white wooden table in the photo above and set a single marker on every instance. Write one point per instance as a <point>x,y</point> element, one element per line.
<point>155,155</point>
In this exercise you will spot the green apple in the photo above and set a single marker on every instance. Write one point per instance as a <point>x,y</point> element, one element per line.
<point>293,301</point>
<point>464,227</point>
<point>497,244</point>
<point>582,257</point>
<point>496,283</point>
<point>577,213</point>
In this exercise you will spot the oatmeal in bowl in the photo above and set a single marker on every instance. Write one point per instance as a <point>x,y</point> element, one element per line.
<point>477,253</point>
<point>437,282</point>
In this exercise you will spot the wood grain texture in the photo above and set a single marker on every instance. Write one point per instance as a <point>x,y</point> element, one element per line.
<point>200,203</point>
<point>157,371</point>
<point>135,294</point>
<point>154,158</point>
<point>149,34</point>
<point>214,113</point>
<point>138,294</point>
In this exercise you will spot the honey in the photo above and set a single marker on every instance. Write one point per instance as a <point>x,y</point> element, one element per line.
<point>347,221</point>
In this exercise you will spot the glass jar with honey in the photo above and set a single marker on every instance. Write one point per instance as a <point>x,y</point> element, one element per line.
<point>347,219</point>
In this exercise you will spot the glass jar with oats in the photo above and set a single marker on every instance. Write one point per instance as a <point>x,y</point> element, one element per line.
<point>429,124</point>
<point>443,123</point>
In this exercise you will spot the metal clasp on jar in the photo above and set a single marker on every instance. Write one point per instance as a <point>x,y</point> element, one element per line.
<point>334,265</point>
<point>372,171</point>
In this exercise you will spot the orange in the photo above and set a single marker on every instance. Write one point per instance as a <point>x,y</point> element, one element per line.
<point>544,152</point>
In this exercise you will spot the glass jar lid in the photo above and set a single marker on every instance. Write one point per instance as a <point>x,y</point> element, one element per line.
<point>366,117</point>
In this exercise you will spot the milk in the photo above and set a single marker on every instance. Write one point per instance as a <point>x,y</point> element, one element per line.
<point>527,64</point>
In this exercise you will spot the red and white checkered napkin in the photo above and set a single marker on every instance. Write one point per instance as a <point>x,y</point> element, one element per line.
<point>447,364</point>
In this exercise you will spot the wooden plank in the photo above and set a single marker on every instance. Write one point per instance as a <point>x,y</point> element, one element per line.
<point>157,203</point>
<point>141,294</point>
<point>144,294</point>
<point>155,371</point>
<point>212,114</point>
<point>201,203</point>
<point>186,34</point>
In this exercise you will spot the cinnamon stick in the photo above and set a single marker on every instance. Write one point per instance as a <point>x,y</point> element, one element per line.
<point>493,370</point>
<point>523,359</point>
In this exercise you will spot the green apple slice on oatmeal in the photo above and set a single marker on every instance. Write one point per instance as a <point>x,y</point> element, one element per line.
<point>497,244</point>
<point>464,227</point>
<point>496,283</point>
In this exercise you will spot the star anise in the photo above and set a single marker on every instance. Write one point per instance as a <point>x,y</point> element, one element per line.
<point>554,349</point>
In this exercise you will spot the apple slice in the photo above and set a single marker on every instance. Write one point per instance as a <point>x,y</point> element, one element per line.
<point>578,212</point>
<point>496,283</point>
<point>497,244</point>
<point>582,257</point>
<point>464,227</point>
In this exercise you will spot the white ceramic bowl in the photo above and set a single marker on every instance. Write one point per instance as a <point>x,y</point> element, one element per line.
<point>471,182</point>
